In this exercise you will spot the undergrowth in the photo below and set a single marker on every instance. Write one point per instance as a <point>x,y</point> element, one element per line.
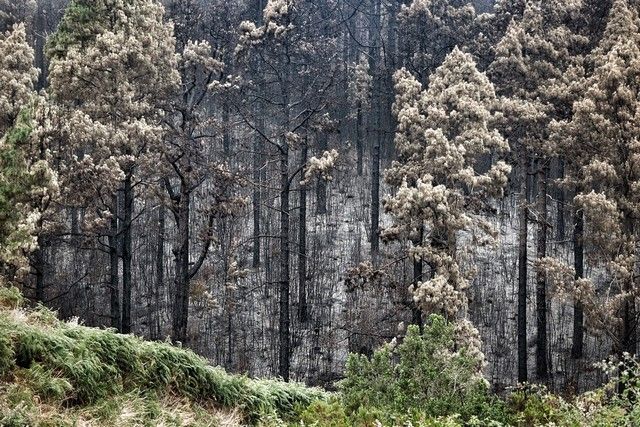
<point>57,374</point>
<point>67,365</point>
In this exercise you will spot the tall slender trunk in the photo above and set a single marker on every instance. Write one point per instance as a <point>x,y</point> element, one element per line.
<point>284,333</point>
<point>226,133</point>
<point>418,272</point>
<point>560,218</point>
<point>359,141</point>
<point>284,321</point>
<point>128,194</point>
<point>542,364</point>
<point>522,266</point>
<point>629,320</point>
<point>39,269</point>
<point>377,111</point>
<point>375,196</point>
<point>259,171</point>
<point>302,247</point>
<point>578,265</point>
<point>159,285</point>
<point>259,7</point>
<point>114,282</point>
<point>259,167</point>
<point>181,253</point>
<point>321,186</point>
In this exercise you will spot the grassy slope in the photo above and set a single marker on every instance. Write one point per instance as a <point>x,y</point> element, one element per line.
<point>61,373</point>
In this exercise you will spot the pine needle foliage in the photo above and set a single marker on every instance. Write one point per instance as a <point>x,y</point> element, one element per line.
<point>80,24</point>
<point>15,179</point>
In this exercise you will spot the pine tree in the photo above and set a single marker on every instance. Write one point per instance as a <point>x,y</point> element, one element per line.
<point>113,66</point>
<point>18,75</point>
<point>443,132</point>
<point>601,138</point>
<point>531,59</point>
<point>431,29</point>
<point>27,183</point>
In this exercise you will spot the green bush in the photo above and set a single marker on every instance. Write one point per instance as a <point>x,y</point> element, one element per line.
<point>10,297</point>
<point>423,376</point>
<point>325,414</point>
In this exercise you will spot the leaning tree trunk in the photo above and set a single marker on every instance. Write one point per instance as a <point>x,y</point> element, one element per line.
<point>522,267</point>
<point>542,364</point>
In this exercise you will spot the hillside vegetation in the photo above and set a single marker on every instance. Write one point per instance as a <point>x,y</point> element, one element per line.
<point>57,373</point>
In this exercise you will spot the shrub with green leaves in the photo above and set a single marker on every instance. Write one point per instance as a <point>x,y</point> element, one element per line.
<point>425,374</point>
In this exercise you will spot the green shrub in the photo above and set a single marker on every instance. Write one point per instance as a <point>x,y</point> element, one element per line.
<point>533,405</point>
<point>17,416</point>
<point>10,297</point>
<point>45,384</point>
<point>325,414</point>
<point>425,374</point>
<point>7,354</point>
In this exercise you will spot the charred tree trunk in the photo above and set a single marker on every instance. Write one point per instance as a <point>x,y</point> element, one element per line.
<point>321,186</point>
<point>259,172</point>
<point>522,266</point>
<point>40,40</point>
<point>114,277</point>
<point>375,196</point>
<point>359,141</point>
<point>418,272</point>
<point>560,218</point>
<point>226,134</point>
<point>159,267</point>
<point>284,320</point>
<point>302,247</point>
<point>377,139</point>
<point>39,270</point>
<point>128,194</point>
<point>578,264</point>
<point>181,254</point>
<point>629,317</point>
<point>542,364</point>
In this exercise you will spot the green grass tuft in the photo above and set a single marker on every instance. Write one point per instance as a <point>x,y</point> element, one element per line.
<point>78,366</point>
